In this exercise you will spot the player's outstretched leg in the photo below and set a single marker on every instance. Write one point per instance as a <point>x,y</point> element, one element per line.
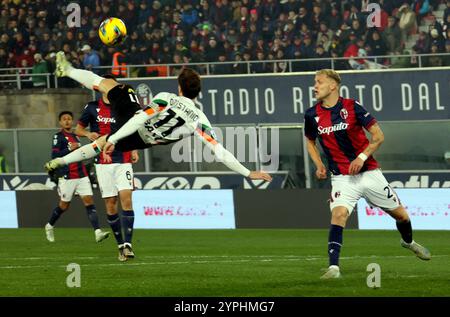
<point>420,251</point>
<point>85,77</point>
<point>334,249</point>
<point>56,213</point>
<point>91,212</point>
<point>404,227</point>
<point>339,217</point>
<point>101,235</point>
<point>85,152</point>
<point>128,221</point>
<point>116,226</point>
<point>49,232</point>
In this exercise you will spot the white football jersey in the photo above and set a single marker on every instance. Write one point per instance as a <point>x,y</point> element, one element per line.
<point>176,117</point>
<point>170,118</point>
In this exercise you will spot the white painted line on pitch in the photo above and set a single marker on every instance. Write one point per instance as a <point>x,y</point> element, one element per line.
<point>160,256</point>
<point>236,260</point>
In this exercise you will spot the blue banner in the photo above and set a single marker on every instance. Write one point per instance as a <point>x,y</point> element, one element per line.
<point>247,99</point>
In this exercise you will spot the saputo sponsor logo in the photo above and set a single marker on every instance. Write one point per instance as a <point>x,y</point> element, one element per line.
<point>105,119</point>
<point>336,127</point>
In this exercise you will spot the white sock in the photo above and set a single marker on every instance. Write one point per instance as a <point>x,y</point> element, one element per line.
<point>83,153</point>
<point>85,77</point>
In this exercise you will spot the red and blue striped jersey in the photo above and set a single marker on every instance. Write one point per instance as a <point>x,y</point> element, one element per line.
<point>100,118</point>
<point>60,148</point>
<point>340,133</point>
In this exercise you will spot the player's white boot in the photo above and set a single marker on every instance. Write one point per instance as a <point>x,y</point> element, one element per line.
<point>122,257</point>
<point>52,165</point>
<point>62,65</point>
<point>128,251</point>
<point>420,251</point>
<point>49,232</point>
<point>101,235</point>
<point>331,273</point>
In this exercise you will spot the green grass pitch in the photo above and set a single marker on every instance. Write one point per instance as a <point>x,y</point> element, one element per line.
<point>254,263</point>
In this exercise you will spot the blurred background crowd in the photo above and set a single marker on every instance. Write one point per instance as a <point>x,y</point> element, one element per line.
<point>196,31</point>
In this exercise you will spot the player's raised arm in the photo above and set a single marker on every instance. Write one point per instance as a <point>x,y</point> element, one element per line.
<point>206,134</point>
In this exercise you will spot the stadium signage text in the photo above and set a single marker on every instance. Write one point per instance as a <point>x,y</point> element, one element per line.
<point>389,95</point>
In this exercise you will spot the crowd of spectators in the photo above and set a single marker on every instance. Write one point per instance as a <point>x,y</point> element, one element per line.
<point>196,31</point>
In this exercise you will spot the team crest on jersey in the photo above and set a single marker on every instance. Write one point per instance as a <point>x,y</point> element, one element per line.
<point>344,114</point>
<point>144,94</point>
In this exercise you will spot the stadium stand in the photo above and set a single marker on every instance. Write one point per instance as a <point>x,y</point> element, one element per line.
<point>196,31</point>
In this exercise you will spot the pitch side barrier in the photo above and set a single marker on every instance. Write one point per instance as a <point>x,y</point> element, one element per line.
<point>429,209</point>
<point>183,209</point>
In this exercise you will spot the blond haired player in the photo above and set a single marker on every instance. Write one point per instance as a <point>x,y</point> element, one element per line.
<point>338,124</point>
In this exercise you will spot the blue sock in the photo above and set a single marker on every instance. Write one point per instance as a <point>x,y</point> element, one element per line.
<point>114,222</point>
<point>92,215</point>
<point>57,212</point>
<point>405,230</point>
<point>128,222</point>
<point>334,244</point>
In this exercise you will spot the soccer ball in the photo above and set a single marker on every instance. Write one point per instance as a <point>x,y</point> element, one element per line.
<point>112,31</point>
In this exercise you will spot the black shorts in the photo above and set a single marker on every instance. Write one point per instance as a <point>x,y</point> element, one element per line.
<point>124,103</point>
<point>130,143</point>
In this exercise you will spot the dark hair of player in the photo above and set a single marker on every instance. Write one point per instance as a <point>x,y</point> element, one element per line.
<point>110,76</point>
<point>189,81</point>
<point>63,113</point>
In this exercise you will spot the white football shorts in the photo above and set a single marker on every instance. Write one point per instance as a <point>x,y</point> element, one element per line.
<point>79,186</point>
<point>346,190</point>
<point>113,178</point>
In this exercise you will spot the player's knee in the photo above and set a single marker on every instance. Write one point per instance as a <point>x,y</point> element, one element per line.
<point>125,200</point>
<point>64,205</point>
<point>340,214</point>
<point>126,204</point>
<point>402,218</point>
<point>399,214</point>
<point>111,206</point>
<point>88,200</point>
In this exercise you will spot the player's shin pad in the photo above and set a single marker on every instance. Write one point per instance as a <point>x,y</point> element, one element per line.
<point>85,152</point>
